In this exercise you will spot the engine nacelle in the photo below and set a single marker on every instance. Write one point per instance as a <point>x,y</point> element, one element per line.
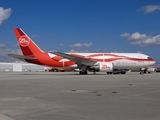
<point>103,66</point>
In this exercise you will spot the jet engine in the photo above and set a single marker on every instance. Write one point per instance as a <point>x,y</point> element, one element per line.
<point>103,66</point>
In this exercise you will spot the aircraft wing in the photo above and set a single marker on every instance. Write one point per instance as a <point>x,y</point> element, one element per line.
<point>21,57</point>
<point>78,60</point>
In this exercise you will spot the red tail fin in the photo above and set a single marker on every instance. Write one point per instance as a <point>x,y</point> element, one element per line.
<point>28,47</point>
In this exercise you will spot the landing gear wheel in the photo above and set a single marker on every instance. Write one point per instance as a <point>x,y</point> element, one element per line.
<point>80,72</point>
<point>141,72</point>
<point>109,73</point>
<point>83,72</point>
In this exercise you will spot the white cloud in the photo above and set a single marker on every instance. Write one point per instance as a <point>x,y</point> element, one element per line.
<point>73,51</point>
<point>4,14</point>
<point>143,39</point>
<point>4,51</point>
<point>34,36</point>
<point>137,36</point>
<point>125,35</point>
<point>77,45</point>
<point>82,44</point>
<point>4,54</point>
<point>2,45</point>
<point>101,50</point>
<point>60,44</point>
<point>149,8</point>
<point>76,51</point>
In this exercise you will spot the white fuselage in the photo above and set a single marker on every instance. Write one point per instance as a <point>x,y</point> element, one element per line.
<point>132,61</point>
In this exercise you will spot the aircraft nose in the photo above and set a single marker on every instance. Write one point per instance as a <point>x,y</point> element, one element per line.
<point>151,60</point>
<point>154,61</point>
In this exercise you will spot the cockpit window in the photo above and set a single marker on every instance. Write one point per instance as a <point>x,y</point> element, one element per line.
<point>149,58</point>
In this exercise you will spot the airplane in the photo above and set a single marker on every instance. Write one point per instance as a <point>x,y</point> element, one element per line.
<point>106,62</point>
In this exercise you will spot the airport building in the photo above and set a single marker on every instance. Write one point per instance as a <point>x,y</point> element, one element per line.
<point>18,66</point>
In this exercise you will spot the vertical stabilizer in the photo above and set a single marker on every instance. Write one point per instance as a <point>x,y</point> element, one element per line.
<point>28,47</point>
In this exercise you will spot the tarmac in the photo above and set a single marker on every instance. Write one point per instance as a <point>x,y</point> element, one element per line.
<point>70,96</point>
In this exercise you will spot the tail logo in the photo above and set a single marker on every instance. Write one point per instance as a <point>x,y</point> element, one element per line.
<point>24,41</point>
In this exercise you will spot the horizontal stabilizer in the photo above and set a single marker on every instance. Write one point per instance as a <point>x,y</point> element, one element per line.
<point>21,57</point>
<point>78,60</point>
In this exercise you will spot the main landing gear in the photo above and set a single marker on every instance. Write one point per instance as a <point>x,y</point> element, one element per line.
<point>142,72</point>
<point>83,72</point>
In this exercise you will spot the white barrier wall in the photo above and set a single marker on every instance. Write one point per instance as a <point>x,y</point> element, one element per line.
<point>20,67</point>
<point>17,67</point>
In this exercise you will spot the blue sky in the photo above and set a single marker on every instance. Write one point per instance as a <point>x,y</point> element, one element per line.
<point>82,25</point>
